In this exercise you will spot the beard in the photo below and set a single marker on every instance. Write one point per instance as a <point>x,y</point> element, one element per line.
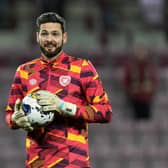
<point>51,54</point>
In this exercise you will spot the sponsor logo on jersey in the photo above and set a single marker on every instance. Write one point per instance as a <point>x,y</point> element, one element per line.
<point>32,81</point>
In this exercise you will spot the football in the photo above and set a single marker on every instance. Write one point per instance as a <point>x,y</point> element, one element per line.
<point>34,111</point>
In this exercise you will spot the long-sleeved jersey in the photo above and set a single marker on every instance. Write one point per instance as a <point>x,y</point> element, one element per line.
<point>64,142</point>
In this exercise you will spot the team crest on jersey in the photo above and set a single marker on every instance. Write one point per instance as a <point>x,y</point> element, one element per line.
<point>32,81</point>
<point>64,80</point>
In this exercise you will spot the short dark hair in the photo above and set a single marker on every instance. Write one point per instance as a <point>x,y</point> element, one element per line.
<point>50,17</point>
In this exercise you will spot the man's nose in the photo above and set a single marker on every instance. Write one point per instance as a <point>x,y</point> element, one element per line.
<point>49,37</point>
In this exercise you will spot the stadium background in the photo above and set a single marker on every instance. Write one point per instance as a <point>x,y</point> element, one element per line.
<point>124,143</point>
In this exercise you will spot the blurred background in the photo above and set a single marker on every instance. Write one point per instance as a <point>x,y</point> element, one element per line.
<point>106,32</point>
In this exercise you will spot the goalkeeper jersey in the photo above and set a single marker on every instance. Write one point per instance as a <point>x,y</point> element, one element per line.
<point>64,142</point>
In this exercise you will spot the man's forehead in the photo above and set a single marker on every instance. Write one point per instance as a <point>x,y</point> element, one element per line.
<point>50,26</point>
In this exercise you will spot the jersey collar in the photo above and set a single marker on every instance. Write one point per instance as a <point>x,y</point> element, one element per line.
<point>57,61</point>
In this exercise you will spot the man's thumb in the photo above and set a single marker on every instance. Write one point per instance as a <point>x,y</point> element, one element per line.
<point>17,104</point>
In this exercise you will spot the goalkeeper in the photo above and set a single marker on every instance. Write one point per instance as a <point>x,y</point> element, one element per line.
<point>67,85</point>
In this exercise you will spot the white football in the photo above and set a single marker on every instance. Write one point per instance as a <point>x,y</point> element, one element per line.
<point>34,111</point>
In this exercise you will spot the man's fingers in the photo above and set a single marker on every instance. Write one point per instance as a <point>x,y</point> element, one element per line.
<point>49,108</point>
<point>17,105</point>
<point>19,114</point>
<point>24,119</point>
<point>19,117</point>
<point>43,96</point>
<point>28,128</point>
<point>24,123</point>
<point>42,93</point>
<point>43,102</point>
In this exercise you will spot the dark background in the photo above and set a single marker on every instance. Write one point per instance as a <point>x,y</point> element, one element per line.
<point>104,32</point>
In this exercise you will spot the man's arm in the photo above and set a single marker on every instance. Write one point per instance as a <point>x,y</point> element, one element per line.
<point>98,108</point>
<point>15,93</point>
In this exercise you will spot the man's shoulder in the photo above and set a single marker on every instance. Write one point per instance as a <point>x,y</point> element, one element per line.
<point>82,65</point>
<point>31,62</point>
<point>76,60</point>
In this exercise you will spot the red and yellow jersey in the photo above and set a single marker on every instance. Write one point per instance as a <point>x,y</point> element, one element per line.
<point>64,142</point>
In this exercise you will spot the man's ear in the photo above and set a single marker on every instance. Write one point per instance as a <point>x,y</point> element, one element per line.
<point>65,37</point>
<point>37,37</point>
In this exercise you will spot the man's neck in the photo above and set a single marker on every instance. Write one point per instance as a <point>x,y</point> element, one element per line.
<point>52,58</point>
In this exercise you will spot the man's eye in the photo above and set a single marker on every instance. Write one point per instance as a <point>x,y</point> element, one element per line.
<point>44,34</point>
<point>55,34</point>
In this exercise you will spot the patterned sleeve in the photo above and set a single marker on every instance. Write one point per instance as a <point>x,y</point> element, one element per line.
<point>15,93</point>
<point>98,108</point>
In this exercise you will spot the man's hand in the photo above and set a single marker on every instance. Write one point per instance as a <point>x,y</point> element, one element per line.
<point>19,117</point>
<point>51,102</point>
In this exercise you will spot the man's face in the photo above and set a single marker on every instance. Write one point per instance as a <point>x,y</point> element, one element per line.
<point>51,39</point>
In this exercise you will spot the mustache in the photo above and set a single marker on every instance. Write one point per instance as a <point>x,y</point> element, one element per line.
<point>50,43</point>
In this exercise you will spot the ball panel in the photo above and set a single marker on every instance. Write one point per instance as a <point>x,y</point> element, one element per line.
<point>34,111</point>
